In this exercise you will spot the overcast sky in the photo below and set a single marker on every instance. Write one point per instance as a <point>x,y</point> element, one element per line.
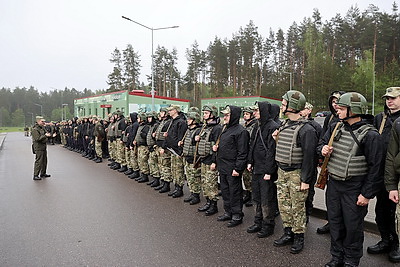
<point>68,43</point>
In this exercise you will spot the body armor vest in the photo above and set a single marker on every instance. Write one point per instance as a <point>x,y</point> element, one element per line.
<point>117,133</point>
<point>188,148</point>
<point>140,141</point>
<point>110,132</point>
<point>287,149</point>
<point>205,146</point>
<point>149,138</point>
<point>344,162</point>
<point>159,134</point>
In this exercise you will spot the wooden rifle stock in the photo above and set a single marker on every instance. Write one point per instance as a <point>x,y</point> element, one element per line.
<point>323,175</point>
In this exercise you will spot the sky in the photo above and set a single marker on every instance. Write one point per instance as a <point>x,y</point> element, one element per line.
<point>53,44</point>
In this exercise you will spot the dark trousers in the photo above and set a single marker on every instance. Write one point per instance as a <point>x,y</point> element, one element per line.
<point>310,197</point>
<point>232,194</point>
<point>264,199</point>
<point>40,165</point>
<point>346,220</point>
<point>385,210</point>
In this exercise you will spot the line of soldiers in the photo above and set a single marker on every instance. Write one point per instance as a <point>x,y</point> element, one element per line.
<point>275,161</point>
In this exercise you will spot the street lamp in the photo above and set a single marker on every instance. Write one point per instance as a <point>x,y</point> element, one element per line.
<point>152,55</point>
<point>62,112</point>
<point>32,116</point>
<point>290,78</point>
<point>41,108</point>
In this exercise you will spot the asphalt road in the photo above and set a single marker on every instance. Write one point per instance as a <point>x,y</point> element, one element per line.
<point>89,215</point>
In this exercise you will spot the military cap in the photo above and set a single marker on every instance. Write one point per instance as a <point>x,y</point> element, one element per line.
<point>392,92</point>
<point>39,118</point>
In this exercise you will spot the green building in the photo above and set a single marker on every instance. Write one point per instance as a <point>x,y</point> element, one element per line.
<point>125,101</point>
<point>240,101</point>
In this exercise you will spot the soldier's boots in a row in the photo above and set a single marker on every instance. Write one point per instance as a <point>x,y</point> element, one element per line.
<point>210,207</point>
<point>177,192</point>
<point>143,178</point>
<point>124,168</point>
<point>134,175</point>
<point>193,199</point>
<point>129,171</point>
<point>289,237</point>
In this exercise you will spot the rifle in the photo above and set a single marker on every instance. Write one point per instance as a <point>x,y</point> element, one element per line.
<point>197,161</point>
<point>323,175</point>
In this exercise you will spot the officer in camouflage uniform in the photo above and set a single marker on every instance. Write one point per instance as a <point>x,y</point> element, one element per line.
<point>164,159</point>
<point>39,147</point>
<point>152,120</point>
<point>208,136</point>
<point>193,175</point>
<point>249,123</point>
<point>173,136</point>
<point>295,154</point>
<point>142,149</point>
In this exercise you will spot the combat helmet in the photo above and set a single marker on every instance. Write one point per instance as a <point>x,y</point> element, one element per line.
<point>295,100</point>
<point>195,116</point>
<point>356,102</point>
<point>211,108</point>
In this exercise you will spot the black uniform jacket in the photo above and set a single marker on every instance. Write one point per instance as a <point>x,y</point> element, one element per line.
<point>371,147</point>
<point>262,145</point>
<point>233,146</point>
<point>175,134</point>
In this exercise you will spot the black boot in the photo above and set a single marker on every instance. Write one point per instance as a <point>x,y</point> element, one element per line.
<point>323,229</point>
<point>298,243</point>
<point>111,163</point>
<point>266,231</point>
<point>156,182</point>
<point>178,192</point>
<point>99,160</point>
<point>394,254</point>
<point>151,180</point>
<point>174,191</point>
<point>134,175</point>
<point>206,206</point>
<point>165,188</point>
<point>123,169</point>
<point>160,186</point>
<point>286,238</point>
<point>213,208</point>
<point>145,178</point>
<point>129,171</point>
<point>195,200</point>
<point>254,228</point>
<point>189,198</point>
<point>247,196</point>
<point>379,248</point>
<point>335,263</point>
<point>116,166</point>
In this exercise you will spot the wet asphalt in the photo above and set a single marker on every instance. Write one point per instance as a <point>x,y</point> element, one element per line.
<point>88,215</point>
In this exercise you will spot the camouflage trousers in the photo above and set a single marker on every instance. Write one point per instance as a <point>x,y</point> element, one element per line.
<point>247,176</point>
<point>177,170</point>
<point>153,164</point>
<point>193,176</point>
<point>97,147</point>
<point>133,159</point>
<point>291,200</point>
<point>121,153</point>
<point>128,158</point>
<point>111,149</point>
<point>143,159</point>
<point>164,161</point>
<point>209,182</point>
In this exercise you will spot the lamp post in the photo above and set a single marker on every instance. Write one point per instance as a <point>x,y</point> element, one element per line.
<point>41,108</point>
<point>290,78</point>
<point>152,53</point>
<point>62,112</point>
<point>32,116</point>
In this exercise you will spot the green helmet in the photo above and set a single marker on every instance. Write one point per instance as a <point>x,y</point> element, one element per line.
<point>355,101</point>
<point>295,100</point>
<point>152,114</point>
<point>213,109</point>
<point>163,109</point>
<point>249,109</point>
<point>142,116</point>
<point>194,116</point>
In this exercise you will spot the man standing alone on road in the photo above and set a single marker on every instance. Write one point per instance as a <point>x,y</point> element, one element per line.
<point>39,140</point>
